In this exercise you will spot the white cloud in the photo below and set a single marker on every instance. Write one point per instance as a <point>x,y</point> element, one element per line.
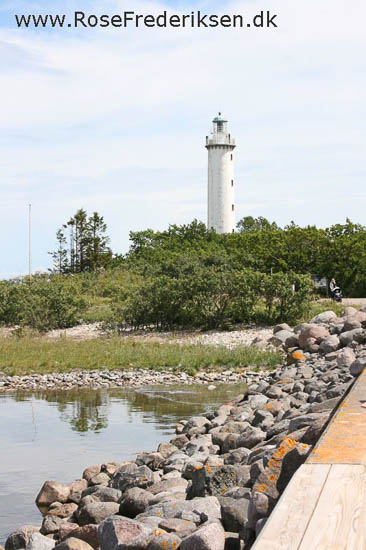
<point>116,119</point>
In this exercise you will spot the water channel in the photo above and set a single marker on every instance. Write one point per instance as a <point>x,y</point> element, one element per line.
<point>55,435</point>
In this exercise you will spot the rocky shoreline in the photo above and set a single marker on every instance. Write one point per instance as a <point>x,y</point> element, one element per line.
<point>214,485</point>
<point>135,378</point>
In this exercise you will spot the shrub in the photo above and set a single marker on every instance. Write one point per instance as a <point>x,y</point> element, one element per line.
<point>42,303</point>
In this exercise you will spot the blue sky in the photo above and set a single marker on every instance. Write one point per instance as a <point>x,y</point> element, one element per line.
<point>115,120</point>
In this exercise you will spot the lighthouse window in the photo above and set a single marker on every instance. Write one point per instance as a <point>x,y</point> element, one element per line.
<point>231,157</point>
<point>232,183</point>
<point>232,207</point>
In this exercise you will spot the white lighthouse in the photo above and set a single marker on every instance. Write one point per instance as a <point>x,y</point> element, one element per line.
<point>220,146</point>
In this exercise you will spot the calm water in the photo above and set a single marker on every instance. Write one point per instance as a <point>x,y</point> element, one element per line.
<point>56,435</point>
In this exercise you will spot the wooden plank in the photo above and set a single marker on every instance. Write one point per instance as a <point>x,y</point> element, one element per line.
<point>339,519</point>
<point>287,524</point>
<point>344,441</point>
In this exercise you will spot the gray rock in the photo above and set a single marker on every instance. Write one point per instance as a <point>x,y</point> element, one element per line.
<point>282,326</point>
<point>208,537</point>
<point>87,533</point>
<point>104,494</point>
<point>237,456</point>
<point>325,317</point>
<point>50,525</point>
<point>19,539</point>
<point>258,508</point>
<point>52,491</point>
<point>73,543</point>
<point>345,358</point>
<point>196,510</point>
<point>92,471</point>
<point>351,324</point>
<point>348,337</point>
<point>141,477</point>
<point>216,481</point>
<point>120,533</point>
<point>40,542</point>
<point>180,527</point>
<point>291,462</point>
<point>196,422</point>
<point>176,484</point>
<point>166,449</point>
<point>358,365</point>
<point>250,437</point>
<point>308,420</point>
<point>234,513</point>
<point>96,512</point>
<point>164,540</point>
<point>280,337</point>
<point>330,344</point>
<point>134,502</point>
<point>154,461</point>
<point>76,489</point>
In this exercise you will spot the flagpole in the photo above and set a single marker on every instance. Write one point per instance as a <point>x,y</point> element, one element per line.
<point>30,238</point>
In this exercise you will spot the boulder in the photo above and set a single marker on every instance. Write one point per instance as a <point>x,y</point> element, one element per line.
<point>19,539</point>
<point>345,357</point>
<point>196,422</point>
<point>176,484</point>
<point>267,480</point>
<point>161,540</point>
<point>91,472</point>
<point>250,437</point>
<point>76,489</point>
<point>73,543</point>
<point>350,336</point>
<point>330,344</point>
<point>358,365</point>
<point>140,476</point>
<point>104,494</point>
<point>349,311</point>
<point>50,525</point>
<point>281,336</point>
<point>100,479</point>
<point>63,510</point>
<point>96,512</point>
<point>208,537</point>
<point>361,317</point>
<point>134,502</point>
<point>87,533</point>
<point>351,324</point>
<point>282,326</point>
<point>120,533</point>
<point>52,491</point>
<point>312,334</point>
<point>180,527</point>
<point>197,510</point>
<point>259,507</point>
<point>291,462</point>
<point>154,461</point>
<point>166,449</point>
<point>234,513</point>
<point>40,542</point>
<point>317,419</point>
<point>325,317</point>
<point>216,481</point>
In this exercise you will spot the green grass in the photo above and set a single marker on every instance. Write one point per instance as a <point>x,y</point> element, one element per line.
<point>20,356</point>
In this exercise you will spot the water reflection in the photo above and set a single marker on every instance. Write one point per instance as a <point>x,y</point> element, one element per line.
<point>56,434</point>
<point>89,410</point>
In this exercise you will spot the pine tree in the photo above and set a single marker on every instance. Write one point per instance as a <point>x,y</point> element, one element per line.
<point>87,249</point>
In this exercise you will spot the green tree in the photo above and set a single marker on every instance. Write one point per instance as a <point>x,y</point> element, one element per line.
<point>87,248</point>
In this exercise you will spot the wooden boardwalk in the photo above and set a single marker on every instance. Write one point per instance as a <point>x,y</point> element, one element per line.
<point>324,505</point>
